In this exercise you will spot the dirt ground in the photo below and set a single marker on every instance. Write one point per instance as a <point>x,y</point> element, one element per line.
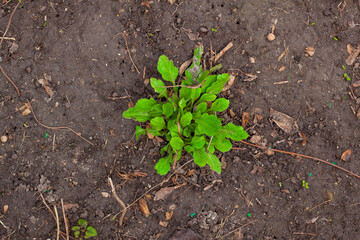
<point>78,50</point>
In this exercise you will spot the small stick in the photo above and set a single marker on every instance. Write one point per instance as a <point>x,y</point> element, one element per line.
<point>118,200</point>
<point>17,90</point>
<point>144,72</point>
<point>57,223</point>
<point>222,52</point>
<point>53,143</point>
<point>237,229</point>
<point>300,155</point>
<point>320,204</point>
<point>8,38</point>
<point>47,206</point>
<point>58,128</point>
<point>301,233</point>
<point>223,223</point>
<point>8,26</point>
<point>211,55</point>
<point>278,83</point>
<point>127,48</point>
<point>116,98</point>
<point>65,220</point>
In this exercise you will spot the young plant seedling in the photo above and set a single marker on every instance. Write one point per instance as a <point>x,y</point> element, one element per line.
<point>83,230</point>
<point>186,114</point>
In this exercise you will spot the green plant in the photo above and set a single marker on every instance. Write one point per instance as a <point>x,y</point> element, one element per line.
<point>186,114</point>
<point>83,230</point>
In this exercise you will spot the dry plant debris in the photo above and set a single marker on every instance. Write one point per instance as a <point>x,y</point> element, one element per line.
<point>285,122</point>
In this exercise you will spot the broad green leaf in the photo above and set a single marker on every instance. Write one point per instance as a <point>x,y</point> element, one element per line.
<point>90,232</point>
<point>154,132</point>
<point>187,132</point>
<point>163,165</point>
<point>75,228</point>
<point>145,104</point>
<point>189,148</point>
<point>167,109</point>
<point>218,85</point>
<point>220,104</point>
<point>182,103</point>
<point>158,86</point>
<point>139,131</point>
<point>202,107</point>
<point>167,69</point>
<point>208,81</point>
<point>208,124</point>
<point>202,76</point>
<point>158,123</point>
<point>189,77</point>
<point>205,97</point>
<point>221,143</point>
<point>177,143</point>
<point>200,157</point>
<point>236,133</point>
<point>186,119</point>
<point>143,110</point>
<point>185,93</point>
<point>214,162</point>
<point>164,149</point>
<point>197,55</point>
<point>172,126</point>
<point>77,234</point>
<point>198,141</point>
<point>83,223</point>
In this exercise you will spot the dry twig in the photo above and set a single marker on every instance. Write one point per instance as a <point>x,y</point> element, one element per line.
<point>8,38</point>
<point>57,223</point>
<point>118,200</point>
<point>17,90</point>
<point>8,26</point>
<point>222,52</point>
<point>127,48</point>
<point>65,220</point>
<point>300,155</point>
<point>58,128</point>
<point>237,229</point>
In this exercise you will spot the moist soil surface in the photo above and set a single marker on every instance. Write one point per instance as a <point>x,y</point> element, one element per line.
<point>71,61</point>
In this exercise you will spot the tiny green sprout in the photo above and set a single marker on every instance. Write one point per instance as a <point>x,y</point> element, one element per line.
<point>347,77</point>
<point>44,24</point>
<point>335,38</point>
<point>343,67</point>
<point>83,230</point>
<point>312,24</point>
<point>280,184</point>
<point>305,184</point>
<point>214,29</point>
<point>185,114</point>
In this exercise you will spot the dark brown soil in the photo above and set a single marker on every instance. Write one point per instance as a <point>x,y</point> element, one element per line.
<point>77,44</point>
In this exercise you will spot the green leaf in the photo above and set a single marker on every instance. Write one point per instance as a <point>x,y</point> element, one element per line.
<point>221,143</point>
<point>177,143</point>
<point>167,109</point>
<point>200,157</point>
<point>158,86</point>
<point>139,131</point>
<point>202,107</point>
<point>82,223</point>
<point>143,111</point>
<point>236,133</point>
<point>90,232</point>
<point>218,85</point>
<point>182,103</point>
<point>167,69</point>
<point>189,77</point>
<point>77,234</point>
<point>186,119</point>
<point>208,81</point>
<point>205,97</point>
<point>220,104</point>
<point>163,165</point>
<point>187,132</point>
<point>198,141</point>
<point>214,162</point>
<point>197,55</point>
<point>215,68</point>
<point>75,228</point>
<point>208,124</point>
<point>158,123</point>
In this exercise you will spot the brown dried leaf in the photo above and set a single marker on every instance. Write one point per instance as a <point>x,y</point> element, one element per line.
<point>282,69</point>
<point>285,122</point>
<point>146,81</point>
<point>257,170</point>
<point>163,193</point>
<point>168,215</point>
<point>190,173</point>
<point>184,66</point>
<point>49,91</point>
<point>6,208</point>
<point>223,162</point>
<point>159,139</point>
<point>356,84</point>
<point>349,48</point>
<point>352,57</point>
<point>163,223</point>
<point>285,191</point>
<point>68,206</point>
<point>232,114</point>
<point>245,119</point>
<point>346,155</point>
<point>26,112</point>
<point>144,208</point>
<point>310,51</point>
<point>256,139</point>
<point>171,1</point>
<point>303,139</point>
<point>269,152</point>
<point>147,3</point>
<point>283,54</point>
<point>229,83</point>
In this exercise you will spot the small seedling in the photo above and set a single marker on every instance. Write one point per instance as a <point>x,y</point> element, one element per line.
<point>186,115</point>
<point>83,230</point>
<point>347,77</point>
<point>305,184</point>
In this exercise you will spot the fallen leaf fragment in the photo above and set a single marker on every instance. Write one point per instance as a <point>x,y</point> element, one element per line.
<point>163,223</point>
<point>232,114</point>
<point>310,51</point>
<point>285,122</point>
<point>184,66</point>
<point>144,207</point>
<point>256,139</point>
<point>223,162</point>
<point>303,136</point>
<point>229,83</point>
<point>6,208</point>
<point>283,54</point>
<point>68,206</point>
<point>171,1</point>
<point>245,119</point>
<point>165,191</point>
<point>313,220</point>
<point>212,184</point>
<point>282,69</point>
<point>168,215</point>
<point>269,152</point>
<point>346,155</point>
<point>147,3</point>
<point>356,84</point>
<point>105,194</point>
<point>349,48</point>
<point>352,57</point>
<point>257,170</point>
<point>285,191</point>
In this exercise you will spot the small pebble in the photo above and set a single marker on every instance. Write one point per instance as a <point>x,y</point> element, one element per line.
<point>203,29</point>
<point>4,139</point>
<point>252,60</point>
<point>271,37</point>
